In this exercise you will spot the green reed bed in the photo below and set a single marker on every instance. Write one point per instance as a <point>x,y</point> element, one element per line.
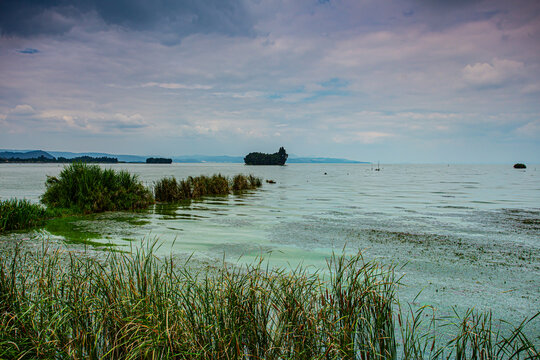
<point>138,306</point>
<point>172,190</point>
<point>21,214</point>
<point>84,188</point>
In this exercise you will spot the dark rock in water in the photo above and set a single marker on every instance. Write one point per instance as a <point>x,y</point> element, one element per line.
<point>519,166</point>
<point>270,181</point>
<point>257,158</point>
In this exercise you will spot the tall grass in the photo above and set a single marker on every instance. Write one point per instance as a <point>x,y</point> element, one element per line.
<point>89,188</point>
<point>138,306</point>
<point>21,214</point>
<point>171,190</point>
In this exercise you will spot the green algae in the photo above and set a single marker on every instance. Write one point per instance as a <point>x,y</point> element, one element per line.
<point>94,229</point>
<point>73,232</point>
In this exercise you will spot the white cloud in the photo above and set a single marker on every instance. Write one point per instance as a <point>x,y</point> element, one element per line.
<point>176,86</point>
<point>364,137</point>
<point>494,73</point>
<point>530,130</point>
<point>22,110</point>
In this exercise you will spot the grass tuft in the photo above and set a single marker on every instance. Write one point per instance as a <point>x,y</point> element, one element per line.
<point>21,214</point>
<point>171,190</point>
<point>86,188</point>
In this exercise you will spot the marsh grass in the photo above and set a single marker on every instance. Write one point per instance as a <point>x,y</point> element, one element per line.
<point>18,214</point>
<point>84,188</point>
<point>172,190</point>
<point>476,337</point>
<point>138,306</point>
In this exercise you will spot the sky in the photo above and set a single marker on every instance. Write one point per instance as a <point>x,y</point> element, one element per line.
<point>413,81</point>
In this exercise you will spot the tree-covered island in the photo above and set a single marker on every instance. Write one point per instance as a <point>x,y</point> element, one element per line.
<point>158,161</point>
<point>257,158</point>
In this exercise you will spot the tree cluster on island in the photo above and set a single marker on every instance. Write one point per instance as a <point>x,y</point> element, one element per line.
<point>158,161</point>
<point>43,159</point>
<point>257,158</point>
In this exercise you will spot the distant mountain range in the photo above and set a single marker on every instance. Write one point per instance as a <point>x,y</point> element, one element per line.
<point>34,154</point>
<point>29,154</point>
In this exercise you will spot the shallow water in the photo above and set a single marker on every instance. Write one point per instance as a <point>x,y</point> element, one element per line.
<point>468,234</point>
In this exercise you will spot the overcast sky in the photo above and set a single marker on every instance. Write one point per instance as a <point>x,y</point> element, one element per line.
<point>395,81</point>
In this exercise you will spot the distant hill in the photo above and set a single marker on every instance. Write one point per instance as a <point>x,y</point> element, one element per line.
<point>177,159</point>
<point>34,154</point>
<point>126,158</point>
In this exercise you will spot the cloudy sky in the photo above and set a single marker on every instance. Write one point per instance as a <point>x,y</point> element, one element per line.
<point>395,81</point>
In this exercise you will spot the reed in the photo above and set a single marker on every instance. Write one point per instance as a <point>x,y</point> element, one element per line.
<point>239,183</point>
<point>138,306</point>
<point>171,190</point>
<point>167,190</point>
<point>254,182</point>
<point>84,188</point>
<point>242,182</point>
<point>18,214</point>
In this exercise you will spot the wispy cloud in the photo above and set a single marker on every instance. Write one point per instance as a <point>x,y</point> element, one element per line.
<point>530,130</point>
<point>497,72</point>
<point>177,86</point>
<point>363,137</point>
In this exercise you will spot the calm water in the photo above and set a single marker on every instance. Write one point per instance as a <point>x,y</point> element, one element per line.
<point>469,234</point>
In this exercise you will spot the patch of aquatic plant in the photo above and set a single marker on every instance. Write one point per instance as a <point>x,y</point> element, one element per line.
<point>136,305</point>
<point>95,229</point>
<point>71,231</point>
<point>242,182</point>
<point>84,188</point>
<point>18,214</point>
<point>172,190</point>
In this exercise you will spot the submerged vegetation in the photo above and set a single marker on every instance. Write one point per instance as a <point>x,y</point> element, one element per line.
<point>137,305</point>
<point>83,188</point>
<point>21,214</point>
<point>172,190</point>
<point>257,158</point>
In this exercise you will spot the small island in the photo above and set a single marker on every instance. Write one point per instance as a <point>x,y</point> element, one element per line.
<point>257,158</point>
<point>158,161</point>
<point>520,166</point>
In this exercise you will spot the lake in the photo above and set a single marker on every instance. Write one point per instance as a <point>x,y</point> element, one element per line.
<point>461,235</point>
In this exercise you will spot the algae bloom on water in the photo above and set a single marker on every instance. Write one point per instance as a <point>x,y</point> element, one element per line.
<point>89,188</point>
